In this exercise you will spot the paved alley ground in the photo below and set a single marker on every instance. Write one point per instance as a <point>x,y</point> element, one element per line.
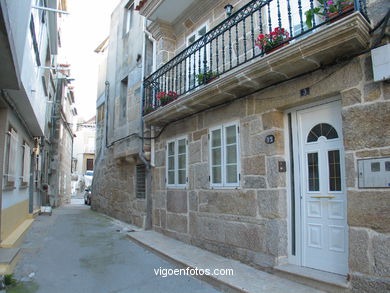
<point>79,250</point>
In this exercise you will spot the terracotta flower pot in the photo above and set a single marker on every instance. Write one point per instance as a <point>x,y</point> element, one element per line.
<point>347,10</point>
<point>211,79</point>
<point>166,100</point>
<point>148,110</point>
<point>276,48</point>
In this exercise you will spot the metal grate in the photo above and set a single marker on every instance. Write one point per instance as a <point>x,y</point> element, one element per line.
<point>141,181</point>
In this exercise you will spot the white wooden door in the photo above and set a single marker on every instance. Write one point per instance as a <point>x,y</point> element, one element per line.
<point>323,195</point>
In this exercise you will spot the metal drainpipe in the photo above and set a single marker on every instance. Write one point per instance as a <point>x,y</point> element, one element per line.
<point>71,161</point>
<point>55,138</point>
<point>32,183</point>
<point>148,191</point>
<point>42,147</point>
<point>106,93</point>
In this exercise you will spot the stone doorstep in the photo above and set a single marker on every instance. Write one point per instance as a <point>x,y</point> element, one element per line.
<point>8,259</point>
<point>245,279</point>
<point>321,280</point>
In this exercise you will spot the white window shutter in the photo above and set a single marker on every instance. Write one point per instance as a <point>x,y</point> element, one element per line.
<point>26,164</point>
<point>216,155</point>
<point>224,155</point>
<point>12,155</point>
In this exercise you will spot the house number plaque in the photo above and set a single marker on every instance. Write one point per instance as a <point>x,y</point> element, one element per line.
<point>269,139</point>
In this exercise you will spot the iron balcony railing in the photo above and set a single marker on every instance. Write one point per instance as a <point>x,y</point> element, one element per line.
<point>258,28</point>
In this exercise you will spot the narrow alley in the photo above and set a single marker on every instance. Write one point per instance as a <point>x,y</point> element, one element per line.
<point>79,250</point>
<point>238,146</point>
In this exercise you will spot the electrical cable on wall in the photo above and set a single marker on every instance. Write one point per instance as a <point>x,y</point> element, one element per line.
<point>345,61</point>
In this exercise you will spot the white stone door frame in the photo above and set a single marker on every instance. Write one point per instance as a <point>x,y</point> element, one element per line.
<point>294,210</point>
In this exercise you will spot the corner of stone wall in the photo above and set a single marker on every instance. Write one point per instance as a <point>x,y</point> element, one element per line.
<point>366,116</point>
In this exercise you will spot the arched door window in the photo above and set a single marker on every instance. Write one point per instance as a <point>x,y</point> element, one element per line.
<point>322,129</point>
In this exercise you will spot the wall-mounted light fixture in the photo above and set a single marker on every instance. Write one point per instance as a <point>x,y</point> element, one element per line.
<point>229,9</point>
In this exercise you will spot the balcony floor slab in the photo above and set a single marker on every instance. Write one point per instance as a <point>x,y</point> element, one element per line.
<point>344,38</point>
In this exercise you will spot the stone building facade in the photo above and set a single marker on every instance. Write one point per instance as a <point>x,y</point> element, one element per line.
<point>60,144</point>
<point>118,145</point>
<point>267,163</point>
<point>83,153</point>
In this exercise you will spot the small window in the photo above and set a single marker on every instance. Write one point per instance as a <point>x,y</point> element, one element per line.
<point>34,41</point>
<point>89,165</point>
<point>202,31</point>
<point>177,162</point>
<point>100,114</point>
<point>387,166</point>
<point>322,129</point>
<point>128,18</point>
<point>375,167</point>
<point>191,39</point>
<point>123,98</point>
<point>334,170</point>
<point>141,181</point>
<point>312,165</point>
<point>224,156</point>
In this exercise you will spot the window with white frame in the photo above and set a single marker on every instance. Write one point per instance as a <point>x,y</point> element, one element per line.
<point>123,98</point>
<point>129,15</point>
<point>177,162</point>
<point>224,155</point>
<point>10,156</point>
<point>195,62</point>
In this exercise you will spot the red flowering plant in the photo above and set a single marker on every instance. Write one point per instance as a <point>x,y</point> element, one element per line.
<point>166,97</point>
<point>268,41</point>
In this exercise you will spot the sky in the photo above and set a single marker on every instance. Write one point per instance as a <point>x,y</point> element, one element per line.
<point>84,29</point>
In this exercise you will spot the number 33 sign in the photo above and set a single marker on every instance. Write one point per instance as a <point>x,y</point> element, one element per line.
<point>269,139</point>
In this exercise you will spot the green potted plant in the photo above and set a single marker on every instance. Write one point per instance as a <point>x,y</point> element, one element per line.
<point>166,97</point>
<point>328,8</point>
<point>272,41</point>
<point>206,77</point>
<point>148,108</point>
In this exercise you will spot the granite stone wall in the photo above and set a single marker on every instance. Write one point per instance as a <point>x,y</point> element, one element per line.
<point>366,126</point>
<point>250,223</point>
<point>114,191</point>
<point>114,183</point>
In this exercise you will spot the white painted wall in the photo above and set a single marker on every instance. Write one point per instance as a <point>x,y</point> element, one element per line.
<point>18,15</point>
<point>18,194</point>
<point>30,99</point>
<point>84,143</point>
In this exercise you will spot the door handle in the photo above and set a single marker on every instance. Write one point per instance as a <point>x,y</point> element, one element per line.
<point>322,196</point>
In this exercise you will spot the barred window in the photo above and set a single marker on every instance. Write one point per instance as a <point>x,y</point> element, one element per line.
<point>141,181</point>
